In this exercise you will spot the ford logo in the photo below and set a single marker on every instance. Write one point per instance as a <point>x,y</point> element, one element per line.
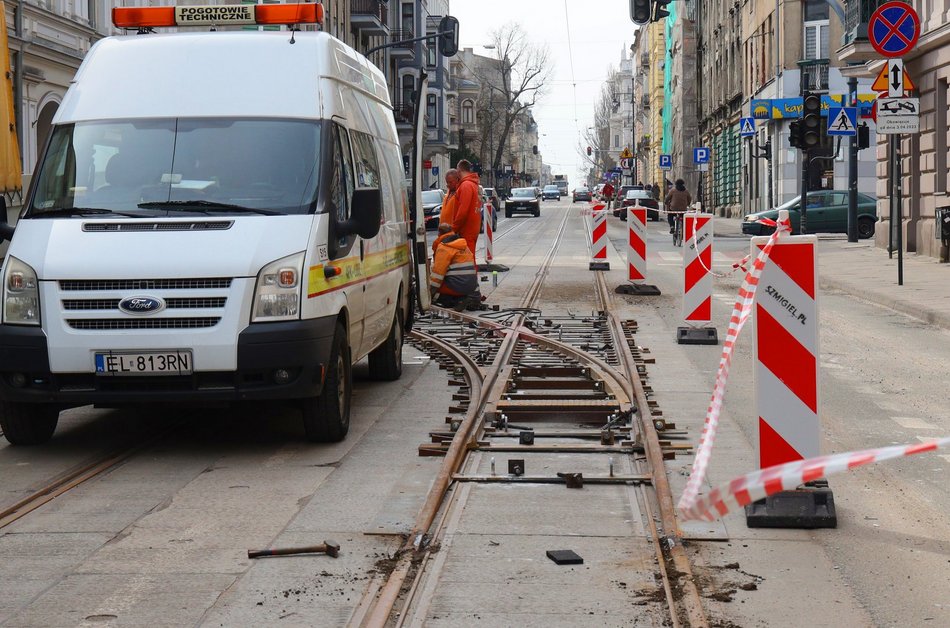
<point>141,305</point>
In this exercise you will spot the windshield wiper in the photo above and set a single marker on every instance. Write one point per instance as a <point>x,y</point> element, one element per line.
<point>208,206</point>
<point>81,211</point>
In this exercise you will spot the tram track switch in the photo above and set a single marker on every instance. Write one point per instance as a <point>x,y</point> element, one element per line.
<point>330,548</point>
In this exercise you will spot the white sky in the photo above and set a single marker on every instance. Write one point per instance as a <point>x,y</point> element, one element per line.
<point>599,30</point>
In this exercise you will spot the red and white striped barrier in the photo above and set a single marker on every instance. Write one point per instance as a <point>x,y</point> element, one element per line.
<point>757,485</point>
<point>697,260</point>
<point>598,237</point>
<point>740,313</point>
<point>489,212</point>
<point>636,244</point>
<point>786,351</point>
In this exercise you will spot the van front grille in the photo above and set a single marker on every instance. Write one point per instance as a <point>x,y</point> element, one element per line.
<point>144,284</point>
<point>114,227</point>
<point>108,324</point>
<point>194,303</point>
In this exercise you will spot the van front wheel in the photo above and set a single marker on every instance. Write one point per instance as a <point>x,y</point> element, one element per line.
<point>28,423</point>
<point>326,418</point>
<point>385,361</point>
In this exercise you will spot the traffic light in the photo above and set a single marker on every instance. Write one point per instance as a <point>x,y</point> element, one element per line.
<point>589,151</point>
<point>448,36</point>
<point>811,121</point>
<point>864,136</point>
<point>795,134</point>
<point>640,11</point>
<point>534,149</point>
<point>659,13</point>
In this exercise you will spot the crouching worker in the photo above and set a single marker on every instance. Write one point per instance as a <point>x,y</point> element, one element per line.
<point>453,276</point>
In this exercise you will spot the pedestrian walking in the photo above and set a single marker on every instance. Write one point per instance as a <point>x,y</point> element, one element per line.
<point>655,190</point>
<point>467,219</point>
<point>677,200</point>
<point>453,280</point>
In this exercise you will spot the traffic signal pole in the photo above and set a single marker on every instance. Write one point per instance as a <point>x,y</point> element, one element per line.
<point>853,169</point>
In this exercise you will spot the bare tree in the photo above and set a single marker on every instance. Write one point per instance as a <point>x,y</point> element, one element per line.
<point>512,84</point>
<point>598,136</point>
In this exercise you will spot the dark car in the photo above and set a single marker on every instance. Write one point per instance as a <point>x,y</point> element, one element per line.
<point>432,207</point>
<point>621,194</point>
<point>581,194</point>
<point>493,197</point>
<point>641,197</point>
<point>523,200</point>
<point>551,192</point>
<point>827,213</point>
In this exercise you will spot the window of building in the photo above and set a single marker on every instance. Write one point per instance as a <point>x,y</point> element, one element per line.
<point>431,116</point>
<point>468,112</point>
<point>816,40</point>
<point>616,141</point>
<point>816,10</point>
<point>431,54</point>
<point>408,86</point>
<point>408,21</point>
<point>940,135</point>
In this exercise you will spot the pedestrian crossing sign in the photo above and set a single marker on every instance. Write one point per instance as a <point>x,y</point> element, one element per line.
<point>747,127</point>
<point>842,121</point>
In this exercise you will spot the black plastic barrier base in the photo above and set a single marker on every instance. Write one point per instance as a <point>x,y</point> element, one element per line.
<point>493,268</point>
<point>599,266</point>
<point>638,289</point>
<point>697,336</point>
<point>809,506</point>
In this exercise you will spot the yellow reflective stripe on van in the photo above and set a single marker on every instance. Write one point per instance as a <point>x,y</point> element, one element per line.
<point>352,271</point>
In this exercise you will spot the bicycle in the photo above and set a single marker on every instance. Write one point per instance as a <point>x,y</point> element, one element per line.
<point>678,229</point>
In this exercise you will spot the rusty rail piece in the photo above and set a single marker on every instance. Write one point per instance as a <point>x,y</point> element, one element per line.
<point>489,382</point>
<point>688,598</point>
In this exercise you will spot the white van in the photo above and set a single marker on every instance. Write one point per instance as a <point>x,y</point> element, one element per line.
<point>218,217</point>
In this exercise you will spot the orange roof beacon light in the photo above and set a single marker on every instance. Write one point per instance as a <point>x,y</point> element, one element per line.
<point>217,15</point>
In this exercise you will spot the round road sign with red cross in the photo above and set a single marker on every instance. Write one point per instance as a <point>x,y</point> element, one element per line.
<point>894,28</point>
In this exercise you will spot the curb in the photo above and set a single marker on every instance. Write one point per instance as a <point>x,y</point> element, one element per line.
<point>915,310</point>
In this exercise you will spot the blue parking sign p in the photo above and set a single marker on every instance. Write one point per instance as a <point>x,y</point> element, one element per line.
<point>666,162</point>
<point>701,155</point>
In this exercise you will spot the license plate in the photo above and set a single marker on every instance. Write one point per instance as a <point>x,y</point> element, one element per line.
<point>174,362</point>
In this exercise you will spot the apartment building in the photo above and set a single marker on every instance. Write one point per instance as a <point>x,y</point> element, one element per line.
<point>923,156</point>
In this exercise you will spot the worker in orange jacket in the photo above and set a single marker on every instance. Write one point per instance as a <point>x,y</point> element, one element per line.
<point>467,221</point>
<point>453,274</point>
<point>452,180</point>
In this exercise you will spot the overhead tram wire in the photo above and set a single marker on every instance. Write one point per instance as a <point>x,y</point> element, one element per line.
<point>570,56</point>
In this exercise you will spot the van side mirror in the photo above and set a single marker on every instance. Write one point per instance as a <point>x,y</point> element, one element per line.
<point>6,231</point>
<point>366,213</point>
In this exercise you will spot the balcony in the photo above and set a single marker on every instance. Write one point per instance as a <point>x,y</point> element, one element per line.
<point>369,17</point>
<point>815,74</point>
<point>405,49</point>
<point>645,59</point>
<point>403,111</point>
<point>855,46</point>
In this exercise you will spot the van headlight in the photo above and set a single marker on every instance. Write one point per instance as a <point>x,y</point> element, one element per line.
<point>21,294</point>
<point>277,295</point>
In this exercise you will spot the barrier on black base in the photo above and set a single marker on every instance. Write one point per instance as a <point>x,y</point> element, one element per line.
<point>490,265</point>
<point>785,349</point>
<point>598,238</point>
<point>697,281</point>
<point>637,254</point>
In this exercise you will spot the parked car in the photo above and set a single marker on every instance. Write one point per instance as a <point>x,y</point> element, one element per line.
<point>827,213</point>
<point>492,195</point>
<point>644,198</point>
<point>581,194</point>
<point>621,194</point>
<point>523,200</point>
<point>551,192</point>
<point>599,191</point>
<point>432,207</point>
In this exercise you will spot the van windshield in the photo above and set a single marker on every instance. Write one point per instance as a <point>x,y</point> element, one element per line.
<point>222,165</point>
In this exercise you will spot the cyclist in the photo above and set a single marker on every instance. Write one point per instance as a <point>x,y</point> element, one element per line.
<point>677,202</point>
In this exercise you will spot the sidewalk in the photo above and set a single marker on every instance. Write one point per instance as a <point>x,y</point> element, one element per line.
<point>864,271</point>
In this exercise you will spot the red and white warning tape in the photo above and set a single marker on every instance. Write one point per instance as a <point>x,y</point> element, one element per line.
<point>759,484</point>
<point>740,265</point>
<point>751,487</point>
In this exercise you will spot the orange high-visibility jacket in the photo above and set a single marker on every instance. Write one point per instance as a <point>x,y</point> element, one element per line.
<point>453,271</point>
<point>467,221</point>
